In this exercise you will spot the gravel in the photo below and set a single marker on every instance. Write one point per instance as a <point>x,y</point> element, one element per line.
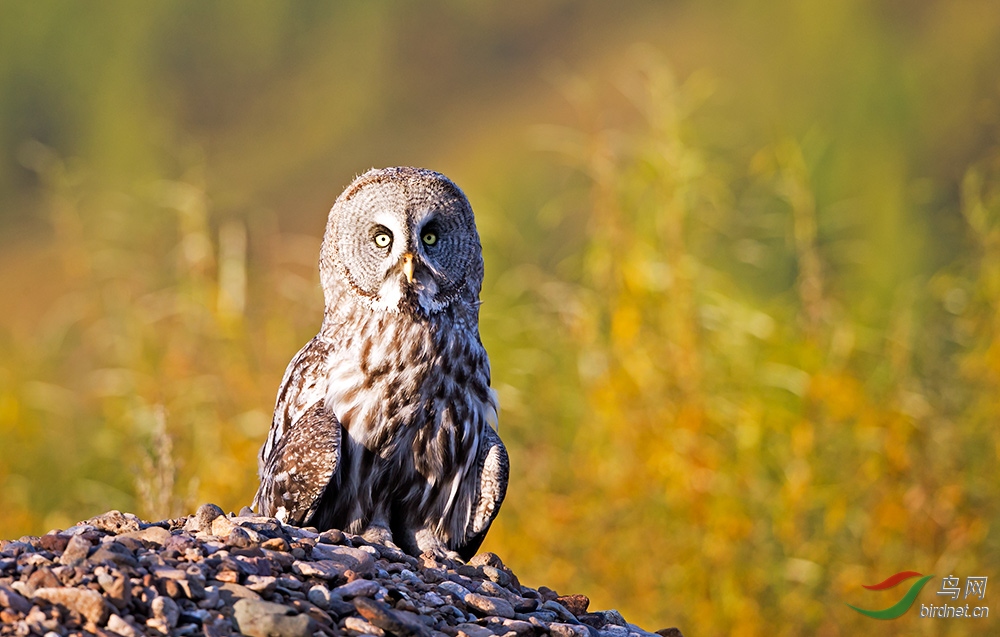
<point>215,574</point>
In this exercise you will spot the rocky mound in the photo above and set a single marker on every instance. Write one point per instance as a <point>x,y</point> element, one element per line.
<point>214,574</point>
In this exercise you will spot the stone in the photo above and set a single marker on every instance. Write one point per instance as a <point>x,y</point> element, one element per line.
<point>203,518</point>
<point>522,628</point>
<point>116,588</point>
<point>87,602</point>
<point>489,606</point>
<point>491,588</point>
<point>576,604</point>
<point>262,584</point>
<point>116,553</point>
<point>192,587</point>
<point>276,544</point>
<point>560,610</point>
<point>231,593</point>
<point>165,610</point>
<point>323,569</point>
<point>9,598</point>
<point>258,618</point>
<point>43,577</point>
<point>361,627</point>
<point>53,542</point>
<point>115,522</point>
<point>162,579</point>
<point>121,627</point>
<point>357,560</point>
<point>557,629</point>
<point>319,595</point>
<point>76,551</point>
<point>218,626</point>
<point>473,630</point>
<point>222,526</point>
<point>457,590</point>
<point>151,536</point>
<point>357,588</point>
<point>382,616</point>
<point>332,536</point>
<point>240,538</point>
<point>613,617</point>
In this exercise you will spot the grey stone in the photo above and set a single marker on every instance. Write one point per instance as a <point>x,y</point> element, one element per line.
<point>116,587</point>
<point>557,629</point>
<point>121,627</point>
<point>154,535</point>
<point>113,553</point>
<point>362,627</point>
<point>457,590</point>
<point>76,551</point>
<point>230,593</point>
<point>262,584</point>
<point>203,517</point>
<point>115,522</point>
<point>473,630</point>
<point>165,610</point>
<point>9,598</point>
<point>560,611</point>
<point>389,620</point>
<point>88,603</point>
<point>357,560</point>
<point>319,595</point>
<point>613,617</point>
<point>489,606</point>
<point>258,618</point>
<point>222,526</point>
<point>357,588</point>
<point>522,628</point>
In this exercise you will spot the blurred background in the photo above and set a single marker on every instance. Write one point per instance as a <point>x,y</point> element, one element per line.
<point>743,274</point>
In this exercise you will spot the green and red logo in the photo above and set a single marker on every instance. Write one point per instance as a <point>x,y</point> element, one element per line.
<point>902,605</point>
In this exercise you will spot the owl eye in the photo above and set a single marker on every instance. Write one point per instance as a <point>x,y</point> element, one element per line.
<point>430,238</point>
<point>383,239</point>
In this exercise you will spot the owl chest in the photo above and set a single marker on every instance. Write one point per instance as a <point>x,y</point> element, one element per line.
<point>405,391</point>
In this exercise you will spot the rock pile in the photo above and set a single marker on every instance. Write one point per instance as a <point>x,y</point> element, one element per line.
<point>214,574</point>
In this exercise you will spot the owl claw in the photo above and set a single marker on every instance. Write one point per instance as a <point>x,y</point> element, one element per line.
<point>377,534</point>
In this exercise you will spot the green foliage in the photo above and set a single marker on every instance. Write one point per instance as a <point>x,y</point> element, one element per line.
<point>742,296</point>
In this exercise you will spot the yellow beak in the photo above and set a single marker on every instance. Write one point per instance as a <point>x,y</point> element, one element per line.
<point>408,267</point>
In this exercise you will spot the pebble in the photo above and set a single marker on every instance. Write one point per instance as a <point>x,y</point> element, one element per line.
<point>85,601</point>
<point>557,629</point>
<point>258,618</point>
<point>75,552</point>
<point>357,588</point>
<point>218,575</point>
<point>165,610</point>
<point>490,606</point>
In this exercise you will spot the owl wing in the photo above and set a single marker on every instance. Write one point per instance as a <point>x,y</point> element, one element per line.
<point>492,476</point>
<point>302,452</point>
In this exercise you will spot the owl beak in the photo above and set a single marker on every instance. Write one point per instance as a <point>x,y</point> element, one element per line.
<point>408,267</point>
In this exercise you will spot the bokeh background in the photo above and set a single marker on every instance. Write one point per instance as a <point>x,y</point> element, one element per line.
<point>743,274</point>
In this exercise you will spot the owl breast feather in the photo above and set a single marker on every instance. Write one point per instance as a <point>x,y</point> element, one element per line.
<point>413,398</point>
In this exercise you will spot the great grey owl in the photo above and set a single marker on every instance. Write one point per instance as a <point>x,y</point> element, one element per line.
<point>385,421</point>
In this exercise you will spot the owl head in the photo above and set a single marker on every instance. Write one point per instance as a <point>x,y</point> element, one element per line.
<point>404,240</point>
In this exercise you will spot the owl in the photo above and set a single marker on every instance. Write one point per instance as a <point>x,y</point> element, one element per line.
<point>385,424</point>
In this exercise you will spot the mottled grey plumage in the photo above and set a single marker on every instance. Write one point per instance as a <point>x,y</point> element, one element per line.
<point>384,423</point>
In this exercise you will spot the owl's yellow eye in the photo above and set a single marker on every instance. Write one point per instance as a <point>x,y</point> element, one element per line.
<point>383,239</point>
<point>430,238</point>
